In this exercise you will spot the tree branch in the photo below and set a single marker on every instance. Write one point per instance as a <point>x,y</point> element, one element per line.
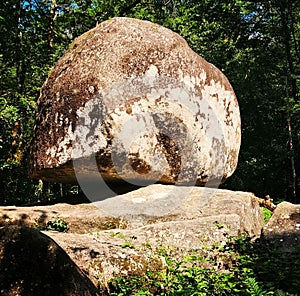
<point>126,9</point>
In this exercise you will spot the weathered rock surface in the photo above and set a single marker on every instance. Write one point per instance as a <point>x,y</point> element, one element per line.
<point>149,206</point>
<point>283,228</point>
<point>31,263</point>
<point>135,96</point>
<point>103,245</point>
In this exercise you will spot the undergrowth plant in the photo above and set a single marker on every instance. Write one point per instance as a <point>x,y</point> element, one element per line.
<point>57,224</point>
<point>267,214</point>
<point>255,269</point>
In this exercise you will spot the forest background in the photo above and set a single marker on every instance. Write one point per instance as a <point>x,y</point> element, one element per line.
<point>255,43</point>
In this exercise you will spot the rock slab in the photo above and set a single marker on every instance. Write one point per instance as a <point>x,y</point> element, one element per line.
<point>106,246</point>
<point>131,100</point>
<point>183,207</point>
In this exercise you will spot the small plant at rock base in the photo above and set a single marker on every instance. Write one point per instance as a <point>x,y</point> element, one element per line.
<point>128,244</point>
<point>267,214</point>
<point>57,225</point>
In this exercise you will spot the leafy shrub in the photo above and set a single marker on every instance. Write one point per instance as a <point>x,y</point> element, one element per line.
<point>267,214</point>
<point>256,269</point>
<point>57,225</point>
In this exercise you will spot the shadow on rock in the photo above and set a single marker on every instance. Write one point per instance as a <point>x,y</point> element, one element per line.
<point>31,263</point>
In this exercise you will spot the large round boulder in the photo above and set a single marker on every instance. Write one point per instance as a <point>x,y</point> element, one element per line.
<point>131,100</point>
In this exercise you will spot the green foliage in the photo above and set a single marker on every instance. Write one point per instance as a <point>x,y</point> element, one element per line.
<point>255,269</point>
<point>267,214</point>
<point>127,244</point>
<point>254,289</point>
<point>57,224</point>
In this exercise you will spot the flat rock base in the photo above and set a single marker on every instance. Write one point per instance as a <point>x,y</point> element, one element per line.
<point>128,242</point>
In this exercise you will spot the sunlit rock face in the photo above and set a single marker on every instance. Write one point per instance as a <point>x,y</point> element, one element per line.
<point>131,100</point>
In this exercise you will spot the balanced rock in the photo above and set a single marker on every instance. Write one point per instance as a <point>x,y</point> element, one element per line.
<point>131,100</point>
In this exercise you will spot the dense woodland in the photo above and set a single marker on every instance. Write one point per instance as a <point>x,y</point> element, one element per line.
<point>255,43</point>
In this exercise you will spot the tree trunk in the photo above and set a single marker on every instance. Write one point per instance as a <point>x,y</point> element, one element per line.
<point>51,31</point>
<point>292,158</point>
<point>18,47</point>
<point>286,20</point>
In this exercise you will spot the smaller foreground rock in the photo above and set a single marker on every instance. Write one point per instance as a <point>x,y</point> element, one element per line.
<point>283,228</point>
<point>32,264</point>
